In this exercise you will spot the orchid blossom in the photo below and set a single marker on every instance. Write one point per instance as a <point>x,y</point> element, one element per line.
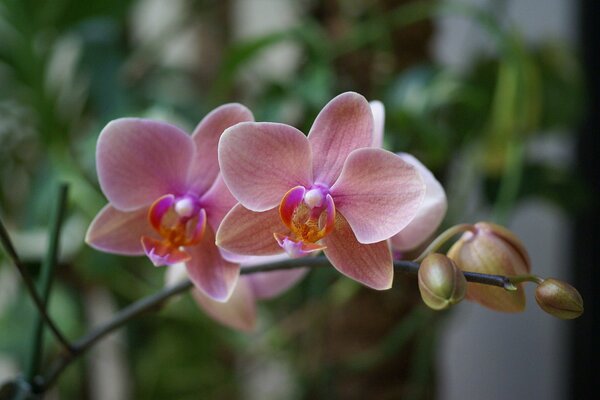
<point>166,196</point>
<point>433,209</point>
<point>239,312</point>
<point>329,191</point>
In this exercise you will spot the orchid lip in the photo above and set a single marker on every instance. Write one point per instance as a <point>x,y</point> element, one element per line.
<point>180,222</point>
<point>309,215</point>
<point>296,249</point>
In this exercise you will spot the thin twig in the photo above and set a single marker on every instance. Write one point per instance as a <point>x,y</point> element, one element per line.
<point>30,286</point>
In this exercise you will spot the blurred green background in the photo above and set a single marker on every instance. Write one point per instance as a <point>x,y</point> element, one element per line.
<point>68,67</point>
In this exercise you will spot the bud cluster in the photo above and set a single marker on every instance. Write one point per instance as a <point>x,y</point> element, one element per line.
<point>487,248</point>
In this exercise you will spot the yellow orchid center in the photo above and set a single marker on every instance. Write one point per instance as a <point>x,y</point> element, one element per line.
<point>180,222</point>
<point>309,215</point>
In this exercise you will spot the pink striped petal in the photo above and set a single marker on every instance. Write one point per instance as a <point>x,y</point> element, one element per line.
<point>378,111</point>
<point>260,162</point>
<point>246,232</point>
<point>378,193</point>
<point>205,165</point>
<point>140,160</point>
<point>430,214</point>
<point>267,285</point>
<point>119,232</point>
<point>239,312</point>
<point>344,124</point>
<point>209,272</point>
<point>369,264</point>
<point>217,202</point>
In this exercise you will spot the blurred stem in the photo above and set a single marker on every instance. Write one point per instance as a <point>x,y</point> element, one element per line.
<point>45,280</point>
<point>510,183</point>
<point>418,318</point>
<point>372,31</point>
<point>156,300</point>
<point>30,286</point>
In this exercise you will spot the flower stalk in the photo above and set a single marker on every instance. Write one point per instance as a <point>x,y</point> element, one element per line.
<point>156,300</point>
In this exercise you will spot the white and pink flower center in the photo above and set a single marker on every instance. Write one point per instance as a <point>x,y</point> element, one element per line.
<point>309,215</point>
<point>180,222</point>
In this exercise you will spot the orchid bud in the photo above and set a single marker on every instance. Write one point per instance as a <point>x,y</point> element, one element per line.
<point>491,249</point>
<point>559,299</point>
<point>441,283</point>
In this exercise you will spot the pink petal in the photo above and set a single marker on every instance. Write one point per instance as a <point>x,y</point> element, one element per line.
<point>378,111</point>
<point>239,312</point>
<point>344,124</point>
<point>260,162</point>
<point>119,232</point>
<point>205,165</point>
<point>267,285</point>
<point>378,193</point>
<point>430,214</point>
<point>217,202</point>
<point>209,272</point>
<point>369,264</point>
<point>246,232</point>
<point>140,160</point>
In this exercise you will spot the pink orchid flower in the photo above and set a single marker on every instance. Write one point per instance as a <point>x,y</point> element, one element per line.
<point>166,196</point>
<point>240,311</point>
<point>433,209</point>
<point>329,191</point>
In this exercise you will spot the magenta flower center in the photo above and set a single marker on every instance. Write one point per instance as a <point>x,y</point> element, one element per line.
<point>180,222</point>
<point>309,215</point>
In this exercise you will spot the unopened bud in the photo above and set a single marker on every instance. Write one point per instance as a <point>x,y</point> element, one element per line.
<point>491,249</point>
<point>559,299</point>
<point>441,283</point>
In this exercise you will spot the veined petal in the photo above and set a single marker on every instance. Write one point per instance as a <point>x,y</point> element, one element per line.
<point>369,264</point>
<point>378,193</point>
<point>239,312</point>
<point>246,232</point>
<point>378,111</point>
<point>119,232</point>
<point>430,214</point>
<point>209,272</point>
<point>217,202</point>
<point>344,124</point>
<point>140,160</point>
<point>267,285</point>
<point>260,162</point>
<point>205,166</point>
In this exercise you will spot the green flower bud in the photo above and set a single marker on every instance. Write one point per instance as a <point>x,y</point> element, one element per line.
<point>441,283</point>
<point>492,249</point>
<point>559,299</point>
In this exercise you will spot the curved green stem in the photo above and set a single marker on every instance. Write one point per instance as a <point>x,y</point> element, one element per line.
<point>443,238</point>
<point>525,278</point>
<point>45,281</point>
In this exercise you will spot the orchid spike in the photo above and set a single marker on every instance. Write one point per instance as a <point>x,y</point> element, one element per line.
<point>166,195</point>
<point>433,209</point>
<point>330,191</point>
<point>239,312</point>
